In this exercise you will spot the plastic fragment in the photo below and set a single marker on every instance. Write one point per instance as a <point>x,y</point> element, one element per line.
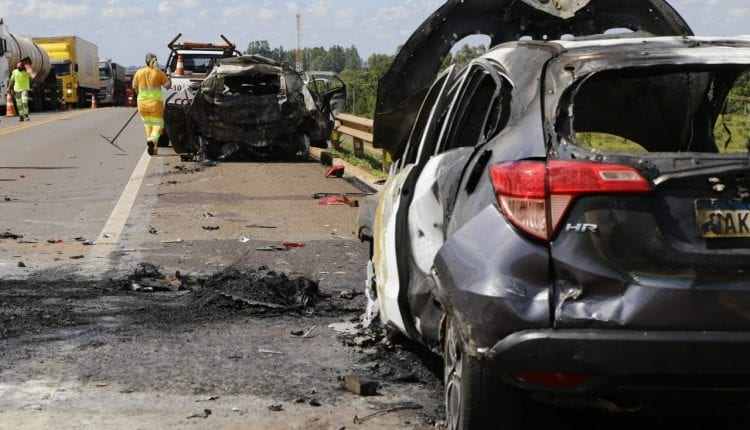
<point>335,172</point>
<point>289,245</point>
<point>336,200</point>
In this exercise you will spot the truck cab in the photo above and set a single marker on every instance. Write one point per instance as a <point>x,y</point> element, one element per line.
<point>198,59</point>
<point>111,83</point>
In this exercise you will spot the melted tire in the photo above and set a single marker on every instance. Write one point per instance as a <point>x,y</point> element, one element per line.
<point>475,398</point>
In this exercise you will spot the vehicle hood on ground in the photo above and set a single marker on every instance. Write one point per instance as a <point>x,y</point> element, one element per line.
<point>402,88</point>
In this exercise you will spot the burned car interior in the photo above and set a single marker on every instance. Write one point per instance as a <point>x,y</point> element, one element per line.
<point>678,109</point>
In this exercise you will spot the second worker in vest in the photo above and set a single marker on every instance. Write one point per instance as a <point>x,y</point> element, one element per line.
<point>20,85</point>
<point>147,83</point>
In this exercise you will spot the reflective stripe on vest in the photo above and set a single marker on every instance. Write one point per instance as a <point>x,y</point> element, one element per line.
<point>149,94</point>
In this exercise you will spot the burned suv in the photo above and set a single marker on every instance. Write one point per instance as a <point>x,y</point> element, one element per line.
<point>253,107</point>
<point>567,220</point>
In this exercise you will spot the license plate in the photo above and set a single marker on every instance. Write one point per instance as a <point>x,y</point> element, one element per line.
<point>723,218</point>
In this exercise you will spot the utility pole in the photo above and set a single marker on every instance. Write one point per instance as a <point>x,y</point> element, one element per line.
<point>300,57</point>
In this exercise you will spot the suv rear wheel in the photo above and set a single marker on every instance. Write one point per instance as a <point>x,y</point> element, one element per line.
<point>475,398</point>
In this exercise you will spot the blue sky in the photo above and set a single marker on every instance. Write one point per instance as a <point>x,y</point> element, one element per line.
<point>126,30</point>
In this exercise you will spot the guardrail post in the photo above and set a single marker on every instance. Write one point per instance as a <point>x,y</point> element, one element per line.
<point>359,147</point>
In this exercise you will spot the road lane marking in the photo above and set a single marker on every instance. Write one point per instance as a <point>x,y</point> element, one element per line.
<point>35,123</point>
<point>112,231</point>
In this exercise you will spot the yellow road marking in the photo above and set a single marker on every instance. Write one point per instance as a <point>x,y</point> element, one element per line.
<point>41,122</point>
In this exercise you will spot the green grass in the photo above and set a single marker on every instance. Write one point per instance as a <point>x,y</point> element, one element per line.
<point>372,161</point>
<point>739,124</point>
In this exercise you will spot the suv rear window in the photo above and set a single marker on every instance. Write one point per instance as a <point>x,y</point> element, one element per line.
<point>676,109</point>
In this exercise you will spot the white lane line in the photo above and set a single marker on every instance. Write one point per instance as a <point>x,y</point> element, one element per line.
<point>112,230</point>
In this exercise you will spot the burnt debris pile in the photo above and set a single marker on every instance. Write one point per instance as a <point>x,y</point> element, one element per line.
<point>259,290</point>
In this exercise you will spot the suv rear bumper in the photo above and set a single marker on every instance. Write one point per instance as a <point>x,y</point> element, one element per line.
<point>622,353</point>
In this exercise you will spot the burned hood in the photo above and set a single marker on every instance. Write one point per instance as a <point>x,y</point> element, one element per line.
<point>402,88</point>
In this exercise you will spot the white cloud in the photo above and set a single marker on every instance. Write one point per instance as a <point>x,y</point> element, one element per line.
<point>52,10</point>
<point>174,6</point>
<point>266,14</point>
<point>115,10</point>
<point>319,9</point>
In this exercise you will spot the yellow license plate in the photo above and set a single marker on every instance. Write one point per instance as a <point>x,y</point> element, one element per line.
<point>723,218</point>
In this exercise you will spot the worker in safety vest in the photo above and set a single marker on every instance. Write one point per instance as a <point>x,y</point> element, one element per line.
<point>147,83</point>
<point>20,85</point>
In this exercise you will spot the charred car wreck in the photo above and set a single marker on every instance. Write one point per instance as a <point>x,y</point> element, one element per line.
<point>251,107</point>
<point>566,217</point>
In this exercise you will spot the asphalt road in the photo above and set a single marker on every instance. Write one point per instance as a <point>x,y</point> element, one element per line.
<point>81,348</point>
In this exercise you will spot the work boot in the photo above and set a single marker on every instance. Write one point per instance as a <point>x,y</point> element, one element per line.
<point>150,145</point>
<point>20,118</point>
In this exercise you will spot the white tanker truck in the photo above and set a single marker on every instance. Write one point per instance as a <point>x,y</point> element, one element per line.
<point>13,48</point>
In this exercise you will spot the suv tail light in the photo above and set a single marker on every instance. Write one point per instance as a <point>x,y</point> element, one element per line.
<point>533,194</point>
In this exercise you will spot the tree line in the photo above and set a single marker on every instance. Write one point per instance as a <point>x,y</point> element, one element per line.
<point>360,76</point>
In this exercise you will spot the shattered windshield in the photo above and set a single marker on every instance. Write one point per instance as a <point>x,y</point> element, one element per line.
<point>685,109</point>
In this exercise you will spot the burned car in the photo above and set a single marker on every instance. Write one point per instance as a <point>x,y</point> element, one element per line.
<point>250,107</point>
<point>567,216</point>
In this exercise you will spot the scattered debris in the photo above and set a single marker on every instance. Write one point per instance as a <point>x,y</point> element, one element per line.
<point>348,295</point>
<point>55,241</point>
<point>211,227</point>
<point>208,399</point>
<point>269,351</point>
<point>318,196</point>
<point>263,292</point>
<point>8,199</point>
<point>9,235</point>
<point>314,402</point>
<point>90,242</point>
<point>302,333</point>
<point>80,239</point>
<point>276,408</point>
<point>172,241</point>
<point>106,235</point>
<point>153,230</point>
<point>208,215</point>
<point>205,414</point>
<point>21,264</point>
<point>243,239</point>
<point>271,248</point>
<point>27,241</point>
<point>338,200</point>
<point>335,172</point>
<point>348,328</point>
<point>289,245</point>
<point>359,386</point>
<point>148,278</point>
<point>260,226</point>
<point>400,407</point>
<point>76,257</point>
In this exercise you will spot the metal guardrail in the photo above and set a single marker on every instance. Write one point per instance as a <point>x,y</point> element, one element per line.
<point>360,131</point>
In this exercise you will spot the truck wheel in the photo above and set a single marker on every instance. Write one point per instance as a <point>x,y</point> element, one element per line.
<point>475,398</point>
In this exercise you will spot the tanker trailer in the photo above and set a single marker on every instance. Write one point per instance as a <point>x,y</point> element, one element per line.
<point>15,48</point>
